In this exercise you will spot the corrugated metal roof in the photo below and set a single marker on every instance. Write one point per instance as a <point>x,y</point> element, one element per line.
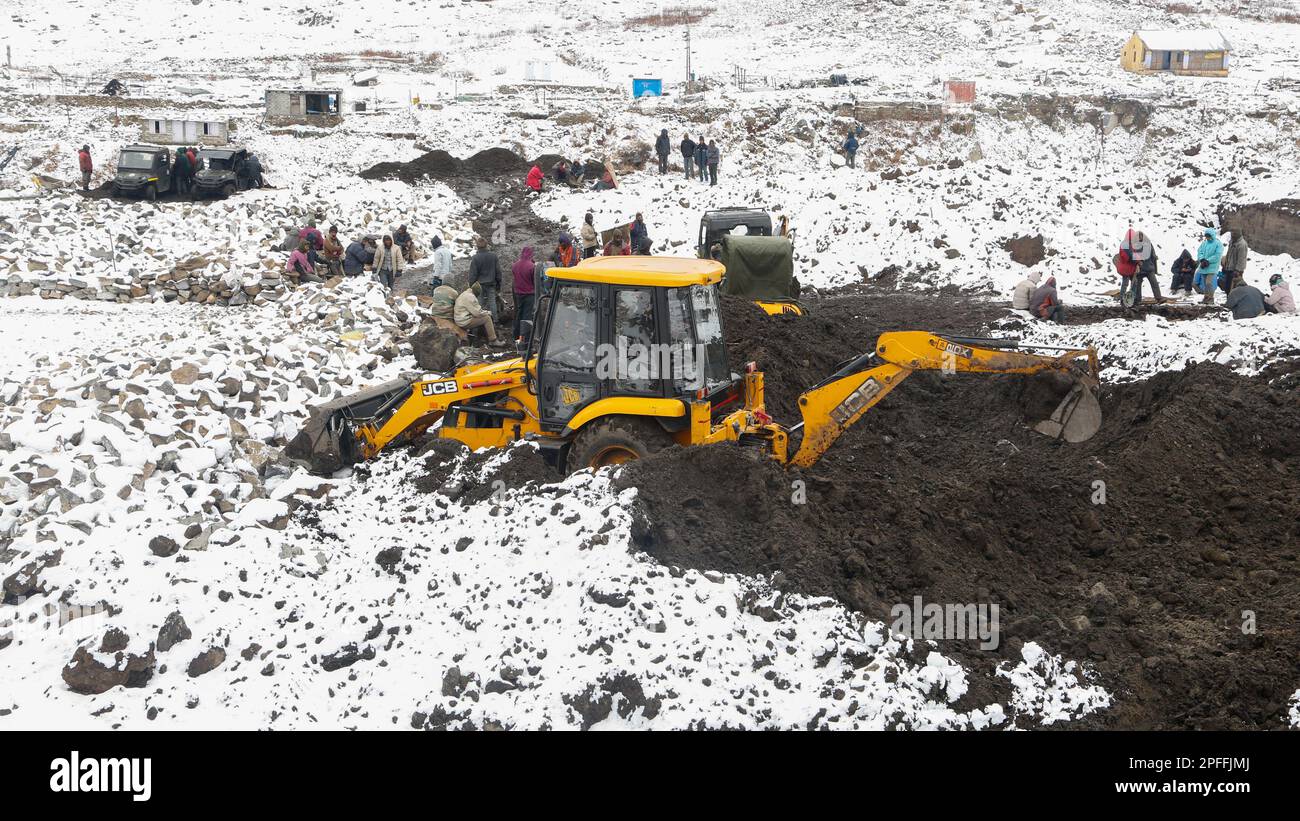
<point>1184,40</point>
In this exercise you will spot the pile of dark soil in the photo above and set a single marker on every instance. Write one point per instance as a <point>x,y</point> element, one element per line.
<point>942,492</point>
<point>439,165</point>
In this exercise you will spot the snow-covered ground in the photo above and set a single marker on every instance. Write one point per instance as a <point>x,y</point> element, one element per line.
<point>139,467</point>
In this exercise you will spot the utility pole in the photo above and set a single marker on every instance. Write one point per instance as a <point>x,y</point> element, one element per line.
<point>688,57</point>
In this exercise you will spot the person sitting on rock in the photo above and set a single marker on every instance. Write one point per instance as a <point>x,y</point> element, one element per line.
<point>402,238</point>
<point>1279,300</point>
<point>469,314</point>
<point>1024,290</point>
<point>1245,301</point>
<point>299,263</point>
<point>1046,304</point>
<point>444,302</point>
<point>606,182</point>
<point>333,252</point>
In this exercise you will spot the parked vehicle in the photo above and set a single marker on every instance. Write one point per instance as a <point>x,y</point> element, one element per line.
<point>219,172</point>
<point>143,171</point>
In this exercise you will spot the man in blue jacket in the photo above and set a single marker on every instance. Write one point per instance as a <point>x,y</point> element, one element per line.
<point>358,255</point>
<point>1208,256</point>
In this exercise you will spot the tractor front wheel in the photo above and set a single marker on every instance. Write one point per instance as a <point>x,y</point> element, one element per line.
<point>614,440</point>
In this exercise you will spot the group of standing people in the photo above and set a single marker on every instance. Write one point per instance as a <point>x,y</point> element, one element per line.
<point>700,158</point>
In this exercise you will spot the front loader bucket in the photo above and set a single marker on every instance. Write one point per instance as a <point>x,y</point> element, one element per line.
<point>327,441</point>
<point>1076,419</point>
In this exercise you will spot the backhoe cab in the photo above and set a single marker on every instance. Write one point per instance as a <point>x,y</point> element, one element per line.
<point>631,358</point>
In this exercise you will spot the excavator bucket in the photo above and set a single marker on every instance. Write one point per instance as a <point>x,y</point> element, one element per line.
<point>1076,419</point>
<point>327,441</point>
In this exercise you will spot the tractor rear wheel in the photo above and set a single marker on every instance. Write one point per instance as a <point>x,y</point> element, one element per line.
<point>614,440</point>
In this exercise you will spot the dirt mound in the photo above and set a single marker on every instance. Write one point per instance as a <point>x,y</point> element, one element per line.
<point>495,162</point>
<point>437,164</point>
<point>1143,551</point>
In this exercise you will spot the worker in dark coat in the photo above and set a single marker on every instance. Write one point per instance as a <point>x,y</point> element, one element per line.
<point>359,254</point>
<point>702,159</point>
<point>182,172</point>
<point>688,154</point>
<point>662,146</point>
<point>1184,271</point>
<point>485,270</point>
<point>639,231</point>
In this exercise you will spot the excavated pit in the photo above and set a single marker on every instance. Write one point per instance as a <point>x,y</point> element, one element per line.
<point>942,492</point>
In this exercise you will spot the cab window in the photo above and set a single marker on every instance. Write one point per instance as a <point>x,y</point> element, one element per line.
<point>571,339</point>
<point>637,369</point>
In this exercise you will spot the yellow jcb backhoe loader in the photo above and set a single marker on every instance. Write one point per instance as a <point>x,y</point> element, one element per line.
<point>630,358</point>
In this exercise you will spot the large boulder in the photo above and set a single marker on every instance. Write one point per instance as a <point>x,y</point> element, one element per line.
<point>435,345</point>
<point>92,673</point>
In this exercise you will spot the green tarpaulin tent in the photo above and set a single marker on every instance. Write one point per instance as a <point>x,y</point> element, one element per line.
<point>758,267</point>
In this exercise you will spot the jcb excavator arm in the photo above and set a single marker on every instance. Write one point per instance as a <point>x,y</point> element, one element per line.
<point>837,402</point>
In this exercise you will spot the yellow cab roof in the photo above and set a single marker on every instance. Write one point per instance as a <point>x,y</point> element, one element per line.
<point>661,272</point>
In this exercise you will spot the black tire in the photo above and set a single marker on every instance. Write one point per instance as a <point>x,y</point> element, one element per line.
<point>613,440</point>
<point>151,193</point>
<point>227,190</point>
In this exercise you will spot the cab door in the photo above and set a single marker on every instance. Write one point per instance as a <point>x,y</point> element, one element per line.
<point>567,378</point>
<point>163,172</point>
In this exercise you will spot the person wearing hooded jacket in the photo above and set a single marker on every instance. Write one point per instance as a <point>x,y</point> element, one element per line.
<point>687,148</point>
<point>1141,253</point>
<point>662,146</point>
<point>1208,257</point>
<point>1046,303</point>
<point>522,274</point>
<point>441,261</point>
<point>1024,290</point>
<point>388,262</point>
<point>1279,299</point>
<point>1183,269</point>
<point>534,179</point>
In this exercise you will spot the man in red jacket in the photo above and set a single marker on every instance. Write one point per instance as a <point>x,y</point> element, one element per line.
<point>534,180</point>
<point>83,158</point>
